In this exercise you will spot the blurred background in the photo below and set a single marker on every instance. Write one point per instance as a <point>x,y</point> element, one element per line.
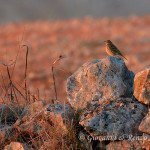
<point>19,10</point>
<point>76,28</point>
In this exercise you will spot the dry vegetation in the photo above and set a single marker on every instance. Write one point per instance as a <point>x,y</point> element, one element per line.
<point>80,40</point>
<point>26,75</point>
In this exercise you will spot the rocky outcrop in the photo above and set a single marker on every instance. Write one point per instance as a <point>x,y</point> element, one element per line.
<point>103,89</point>
<point>115,118</point>
<point>101,92</point>
<point>37,120</point>
<point>142,86</point>
<point>100,81</point>
<point>51,117</point>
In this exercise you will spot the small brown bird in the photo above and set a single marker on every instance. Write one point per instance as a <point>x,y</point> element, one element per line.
<point>112,50</point>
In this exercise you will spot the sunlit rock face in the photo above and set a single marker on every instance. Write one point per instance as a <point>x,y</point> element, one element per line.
<point>100,81</point>
<point>142,86</point>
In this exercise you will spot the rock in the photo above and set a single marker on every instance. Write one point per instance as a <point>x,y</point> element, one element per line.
<point>142,86</point>
<point>146,145</point>
<point>62,113</point>
<point>53,118</point>
<point>114,118</point>
<point>9,114</point>
<point>33,108</point>
<point>16,146</point>
<point>125,145</point>
<point>100,80</point>
<point>145,124</point>
<point>28,121</point>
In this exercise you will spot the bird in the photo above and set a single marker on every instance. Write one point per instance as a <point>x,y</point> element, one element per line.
<point>112,50</point>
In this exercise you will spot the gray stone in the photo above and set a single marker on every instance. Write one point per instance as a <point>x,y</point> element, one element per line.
<point>54,115</point>
<point>62,111</point>
<point>100,80</point>
<point>115,118</point>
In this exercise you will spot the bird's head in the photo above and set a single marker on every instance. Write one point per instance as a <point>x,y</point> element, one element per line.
<point>107,42</point>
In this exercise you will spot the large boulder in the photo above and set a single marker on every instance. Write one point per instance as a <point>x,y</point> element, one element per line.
<point>142,86</point>
<point>103,90</point>
<point>115,118</point>
<point>100,80</point>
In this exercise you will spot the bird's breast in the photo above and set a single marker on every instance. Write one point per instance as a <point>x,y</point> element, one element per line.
<point>109,51</point>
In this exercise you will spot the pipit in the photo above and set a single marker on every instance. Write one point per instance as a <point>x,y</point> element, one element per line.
<point>112,50</point>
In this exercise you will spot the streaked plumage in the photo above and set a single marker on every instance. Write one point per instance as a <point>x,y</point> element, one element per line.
<point>112,50</point>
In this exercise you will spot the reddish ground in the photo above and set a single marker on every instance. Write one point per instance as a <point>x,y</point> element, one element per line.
<point>80,40</point>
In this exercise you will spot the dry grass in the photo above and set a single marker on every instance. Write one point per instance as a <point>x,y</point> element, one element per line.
<point>14,101</point>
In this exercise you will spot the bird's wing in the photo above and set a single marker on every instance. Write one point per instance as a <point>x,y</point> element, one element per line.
<point>115,49</point>
<point>119,53</point>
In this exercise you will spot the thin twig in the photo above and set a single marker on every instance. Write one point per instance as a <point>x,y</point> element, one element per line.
<point>29,95</point>
<point>15,95</point>
<point>38,94</point>
<point>24,89</point>
<point>60,57</point>
<point>17,90</point>
<point>54,83</point>
<point>18,52</point>
<point>26,67</point>
<point>10,83</point>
